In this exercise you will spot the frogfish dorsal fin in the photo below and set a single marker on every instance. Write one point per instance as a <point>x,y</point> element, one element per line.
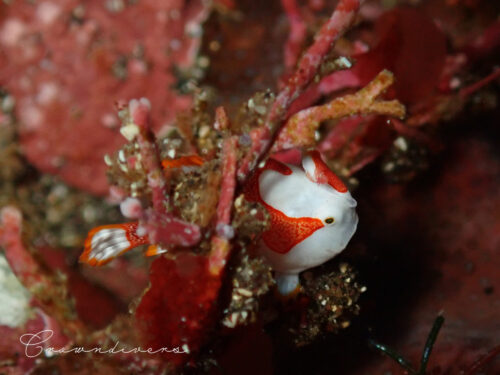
<point>317,171</point>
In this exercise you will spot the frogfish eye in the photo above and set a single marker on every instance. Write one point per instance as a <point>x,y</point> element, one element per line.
<point>329,220</point>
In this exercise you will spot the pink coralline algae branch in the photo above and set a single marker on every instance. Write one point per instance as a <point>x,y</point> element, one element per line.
<point>340,21</point>
<point>161,226</point>
<point>297,34</point>
<point>221,241</point>
<point>299,130</point>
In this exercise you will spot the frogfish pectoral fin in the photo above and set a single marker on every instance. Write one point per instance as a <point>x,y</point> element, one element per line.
<point>106,242</point>
<point>285,232</point>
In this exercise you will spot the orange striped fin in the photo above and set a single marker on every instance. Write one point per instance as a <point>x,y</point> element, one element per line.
<point>183,161</point>
<point>106,242</point>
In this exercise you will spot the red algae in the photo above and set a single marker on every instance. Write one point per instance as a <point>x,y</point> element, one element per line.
<point>179,309</point>
<point>416,56</point>
<point>59,134</point>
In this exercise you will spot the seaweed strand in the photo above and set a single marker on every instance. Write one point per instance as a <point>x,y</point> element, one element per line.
<point>403,362</point>
<point>429,344</point>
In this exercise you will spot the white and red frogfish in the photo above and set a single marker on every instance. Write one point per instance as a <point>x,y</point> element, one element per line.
<point>312,216</point>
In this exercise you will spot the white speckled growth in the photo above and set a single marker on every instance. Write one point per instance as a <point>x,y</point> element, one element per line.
<point>14,298</point>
